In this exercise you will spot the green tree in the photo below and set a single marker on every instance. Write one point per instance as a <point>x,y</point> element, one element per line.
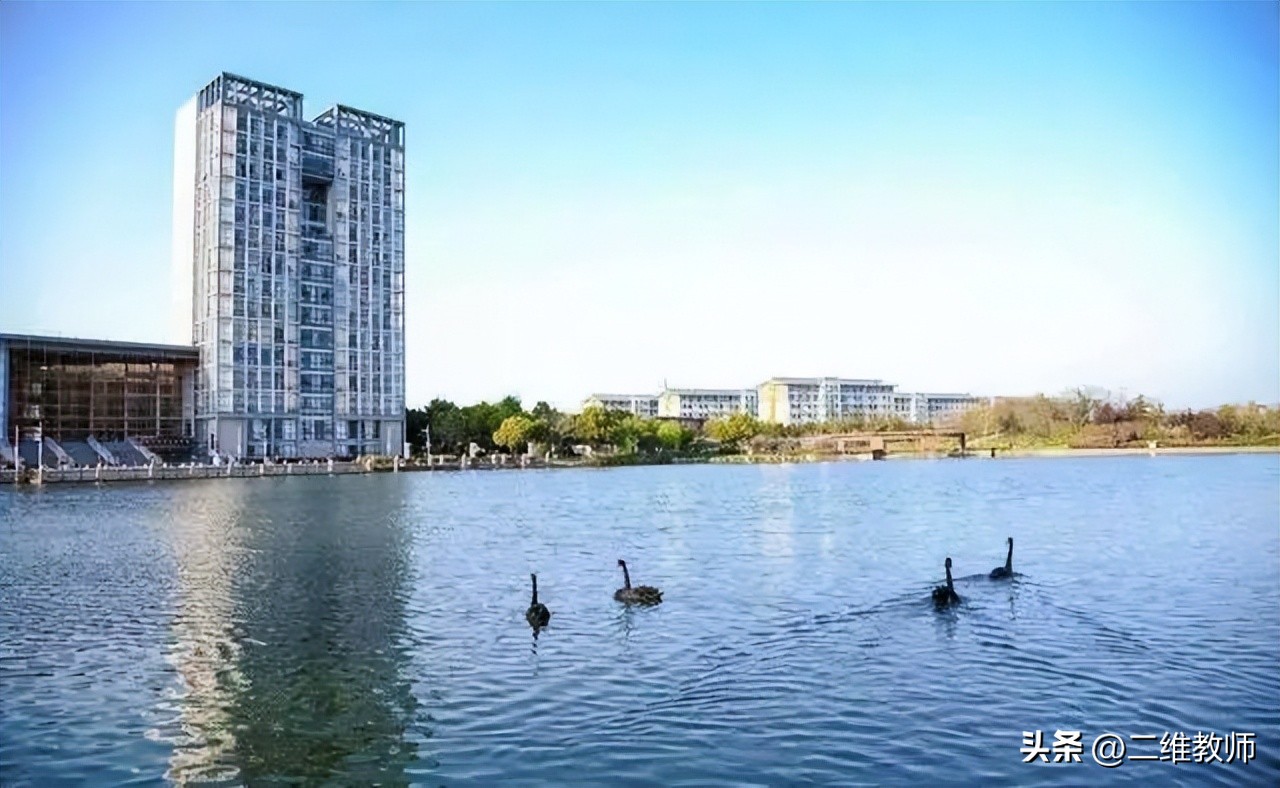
<point>515,432</point>
<point>632,434</point>
<point>596,425</point>
<point>479,422</point>
<point>415,424</point>
<point>543,432</point>
<point>673,437</point>
<point>733,430</point>
<point>445,422</point>
<point>551,427</point>
<point>508,406</point>
<point>624,432</point>
<point>647,440</point>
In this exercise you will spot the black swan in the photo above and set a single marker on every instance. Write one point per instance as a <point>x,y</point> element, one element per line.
<point>1001,572</point>
<point>640,595</point>
<point>944,596</point>
<point>537,615</point>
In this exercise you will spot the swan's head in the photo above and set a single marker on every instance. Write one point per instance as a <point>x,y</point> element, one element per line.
<point>948,562</point>
<point>621,562</point>
<point>1011,541</point>
<point>533,577</point>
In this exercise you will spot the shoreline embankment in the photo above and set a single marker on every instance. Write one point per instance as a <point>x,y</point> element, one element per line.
<point>1132,451</point>
<point>108,474</point>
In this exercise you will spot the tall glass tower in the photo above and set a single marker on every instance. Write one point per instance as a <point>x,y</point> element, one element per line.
<point>289,249</point>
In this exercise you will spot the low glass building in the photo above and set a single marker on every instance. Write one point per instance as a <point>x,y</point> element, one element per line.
<point>87,395</point>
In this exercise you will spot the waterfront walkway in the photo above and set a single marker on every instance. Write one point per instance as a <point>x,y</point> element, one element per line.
<point>108,473</point>
<point>162,472</point>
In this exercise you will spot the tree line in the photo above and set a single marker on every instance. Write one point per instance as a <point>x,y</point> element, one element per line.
<point>1081,418</point>
<point>507,426</point>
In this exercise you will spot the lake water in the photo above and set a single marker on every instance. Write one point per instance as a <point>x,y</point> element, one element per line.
<point>370,629</point>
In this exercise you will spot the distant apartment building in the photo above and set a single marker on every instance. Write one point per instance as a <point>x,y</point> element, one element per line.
<point>939,408</point>
<point>803,400</point>
<point>289,243</point>
<point>910,407</point>
<point>932,408</point>
<point>794,401</point>
<point>642,405</point>
<point>806,400</point>
<point>706,403</point>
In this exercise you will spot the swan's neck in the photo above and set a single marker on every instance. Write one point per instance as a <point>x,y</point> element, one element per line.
<point>626,577</point>
<point>950,584</point>
<point>1008,562</point>
<point>535,590</point>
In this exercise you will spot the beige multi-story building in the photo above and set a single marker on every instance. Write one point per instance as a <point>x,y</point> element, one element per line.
<point>802,400</point>
<point>706,403</point>
<point>805,400</point>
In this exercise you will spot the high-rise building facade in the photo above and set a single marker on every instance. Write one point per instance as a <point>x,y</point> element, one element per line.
<point>289,236</point>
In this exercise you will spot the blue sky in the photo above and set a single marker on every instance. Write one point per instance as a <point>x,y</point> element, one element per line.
<point>996,198</point>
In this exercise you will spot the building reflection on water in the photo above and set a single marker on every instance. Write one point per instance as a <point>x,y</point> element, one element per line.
<point>290,635</point>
